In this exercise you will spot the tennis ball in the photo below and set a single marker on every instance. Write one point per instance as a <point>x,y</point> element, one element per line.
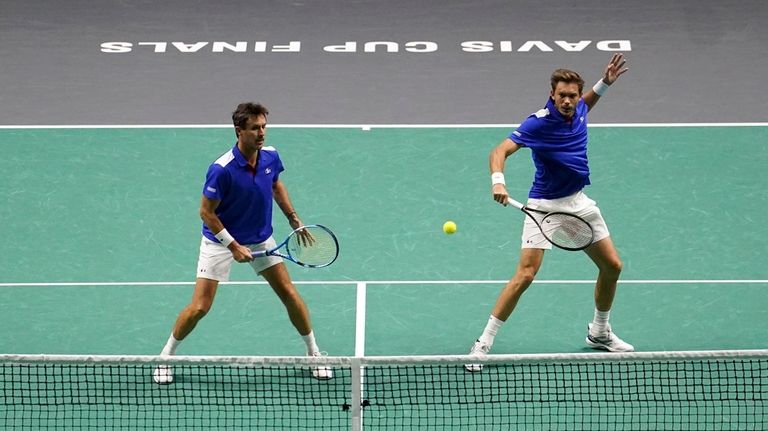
<point>449,227</point>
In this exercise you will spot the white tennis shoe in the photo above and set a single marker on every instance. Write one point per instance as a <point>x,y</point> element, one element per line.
<point>163,375</point>
<point>322,372</point>
<point>607,341</point>
<point>478,350</point>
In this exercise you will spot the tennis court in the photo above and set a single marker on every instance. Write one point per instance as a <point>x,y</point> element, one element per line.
<point>111,230</point>
<point>384,114</point>
<point>119,206</point>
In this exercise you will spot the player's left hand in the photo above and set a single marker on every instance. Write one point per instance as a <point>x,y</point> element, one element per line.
<point>305,237</point>
<point>615,68</point>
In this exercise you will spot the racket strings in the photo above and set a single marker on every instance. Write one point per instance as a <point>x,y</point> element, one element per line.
<point>318,248</point>
<point>567,231</point>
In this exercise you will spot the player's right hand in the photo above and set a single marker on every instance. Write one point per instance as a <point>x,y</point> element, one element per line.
<point>241,253</point>
<point>500,194</point>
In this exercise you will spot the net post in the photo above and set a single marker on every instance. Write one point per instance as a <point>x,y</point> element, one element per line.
<point>356,379</point>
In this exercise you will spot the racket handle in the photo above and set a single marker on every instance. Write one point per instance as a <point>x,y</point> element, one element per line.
<point>514,203</point>
<point>256,254</point>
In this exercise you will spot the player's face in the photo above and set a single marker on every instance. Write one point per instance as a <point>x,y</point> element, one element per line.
<point>253,134</point>
<point>566,96</point>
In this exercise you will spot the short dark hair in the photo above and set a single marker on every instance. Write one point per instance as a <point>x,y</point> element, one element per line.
<point>246,110</point>
<point>567,76</point>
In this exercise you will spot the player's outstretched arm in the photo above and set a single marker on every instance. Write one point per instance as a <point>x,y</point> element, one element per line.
<point>611,73</point>
<point>615,68</point>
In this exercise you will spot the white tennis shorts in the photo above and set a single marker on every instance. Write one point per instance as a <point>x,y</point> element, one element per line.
<point>215,260</point>
<point>577,203</point>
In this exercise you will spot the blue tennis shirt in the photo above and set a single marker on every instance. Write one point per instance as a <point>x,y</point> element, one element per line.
<point>558,148</point>
<point>245,195</point>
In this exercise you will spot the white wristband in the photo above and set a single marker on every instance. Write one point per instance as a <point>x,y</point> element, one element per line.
<point>497,178</point>
<point>224,238</point>
<point>600,88</point>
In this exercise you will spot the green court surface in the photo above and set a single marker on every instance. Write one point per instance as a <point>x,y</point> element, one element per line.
<point>102,231</point>
<point>120,205</point>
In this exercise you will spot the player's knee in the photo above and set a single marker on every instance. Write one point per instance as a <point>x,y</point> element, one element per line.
<point>614,266</point>
<point>198,310</point>
<point>525,275</point>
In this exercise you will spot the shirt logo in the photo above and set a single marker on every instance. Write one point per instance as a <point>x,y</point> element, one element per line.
<point>211,189</point>
<point>581,119</point>
<point>267,171</point>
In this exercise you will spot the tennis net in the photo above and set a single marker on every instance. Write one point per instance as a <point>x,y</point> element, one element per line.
<point>714,390</point>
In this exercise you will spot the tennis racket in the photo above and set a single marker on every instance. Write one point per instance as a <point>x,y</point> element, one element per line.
<point>313,246</point>
<point>564,230</point>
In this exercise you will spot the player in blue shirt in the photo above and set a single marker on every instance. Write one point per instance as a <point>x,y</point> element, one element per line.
<point>557,138</point>
<point>236,209</point>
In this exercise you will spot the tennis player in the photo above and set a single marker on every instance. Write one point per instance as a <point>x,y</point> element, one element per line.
<point>557,138</point>
<point>236,209</point>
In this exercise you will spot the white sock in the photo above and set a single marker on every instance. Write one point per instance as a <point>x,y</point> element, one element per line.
<point>489,333</point>
<point>170,346</point>
<point>600,322</point>
<point>309,340</point>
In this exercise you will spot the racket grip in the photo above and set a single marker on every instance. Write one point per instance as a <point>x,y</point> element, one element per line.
<point>514,203</point>
<point>256,254</point>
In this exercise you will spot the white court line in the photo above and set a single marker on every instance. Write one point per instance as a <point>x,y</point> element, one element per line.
<point>360,320</point>
<point>365,127</point>
<point>359,350</point>
<point>372,282</point>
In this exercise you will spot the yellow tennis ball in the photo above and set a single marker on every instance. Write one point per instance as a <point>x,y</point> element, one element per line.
<point>449,227</point>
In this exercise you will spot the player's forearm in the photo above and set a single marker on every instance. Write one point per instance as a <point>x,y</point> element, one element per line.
<point>496,160</point>
<point>499,155</point>
<point>496,163</point>
<point>284,202</point>
<point>592,96</point>
<point>211,220</point>
<point>285,205</point>
<point>590,99</point>
<point>216,226</point>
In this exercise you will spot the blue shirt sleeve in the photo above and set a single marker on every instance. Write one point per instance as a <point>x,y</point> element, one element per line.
<point>216,182</point>
<point>527,133</point>
<point>278,167</point>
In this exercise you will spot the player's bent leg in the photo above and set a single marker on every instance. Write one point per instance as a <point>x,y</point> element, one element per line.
<point>198,307</point>
<point>527,268</point>
<point>599,332</point>
<point>530,262</point>
<point>278,278</point>
<point>609,265</point>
